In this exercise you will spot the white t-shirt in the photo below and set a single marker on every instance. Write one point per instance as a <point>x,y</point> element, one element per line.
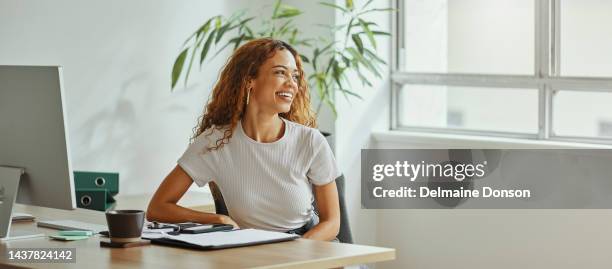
<point>264,185</point>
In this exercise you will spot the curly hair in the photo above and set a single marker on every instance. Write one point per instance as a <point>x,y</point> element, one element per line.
<point>228,102</point>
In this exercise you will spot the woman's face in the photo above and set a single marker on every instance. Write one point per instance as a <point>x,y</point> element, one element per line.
<point>276,84</point>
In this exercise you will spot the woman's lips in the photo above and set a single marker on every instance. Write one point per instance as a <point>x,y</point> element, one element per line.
<point>285,96</point>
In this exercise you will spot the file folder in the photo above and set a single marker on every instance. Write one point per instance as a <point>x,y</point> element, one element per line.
<point>97,180</point>
<point>95,190</point>
<point>221,240</point>
<point>96,199</point>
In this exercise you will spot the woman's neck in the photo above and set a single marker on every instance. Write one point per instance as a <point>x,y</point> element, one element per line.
<point>263,128</point>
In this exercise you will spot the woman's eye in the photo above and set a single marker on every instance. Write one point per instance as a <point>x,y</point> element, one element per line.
<point>279,72</point>
<point>296,77</point>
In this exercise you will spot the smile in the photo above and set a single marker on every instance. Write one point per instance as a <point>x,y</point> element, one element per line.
<point>287,96</point>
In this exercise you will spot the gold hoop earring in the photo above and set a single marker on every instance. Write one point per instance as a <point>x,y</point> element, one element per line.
<point>248,96</point>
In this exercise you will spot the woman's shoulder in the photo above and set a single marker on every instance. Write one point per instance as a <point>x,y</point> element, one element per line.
<point>209,137</point>
<point>306,134</point>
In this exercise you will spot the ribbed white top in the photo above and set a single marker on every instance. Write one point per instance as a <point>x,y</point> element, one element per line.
<point>265,185</point>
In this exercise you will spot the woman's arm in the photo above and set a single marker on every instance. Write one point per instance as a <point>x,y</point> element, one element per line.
<point>163,207</point>
<point>329,213</point>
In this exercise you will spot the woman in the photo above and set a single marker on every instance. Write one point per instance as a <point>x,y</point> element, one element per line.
<point>256,141</point>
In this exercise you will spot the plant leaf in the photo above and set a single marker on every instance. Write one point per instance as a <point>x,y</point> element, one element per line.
<point>249,31</point>
<point>366,4</point>
<point>237,15</point>
<point>237,41</point>
<point>375,10</point>
<point>193,54</point>
<point>332,106</point>
<point>284,28</point>
<point>218,23</point>
<point>346,60</point>
<point>288,13</point>
<point>350,25</point>
<point>243,22</point>
<point>304,58</point>
<point>206,46</point>
<point>334,6</point>
<point>314,59</point>
<point>336,74</point>
<point>368,23</point>
<point>366,29</point>
<point>349,4</point>
<point>377,33</point>
<point>330,64</point>
<point>292,38</point>
<point>202,30</point>
<point>178,66</point>
<point>364,80</point>
<point>370,67</point>
<point>374,56</point>
<point>354,94</point>
<point>221,31</point>
<point>318,52</point>
<point>276,8</point>
<point>358,42</point>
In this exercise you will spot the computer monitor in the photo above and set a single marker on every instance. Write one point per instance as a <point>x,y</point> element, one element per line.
<point>33,135</point>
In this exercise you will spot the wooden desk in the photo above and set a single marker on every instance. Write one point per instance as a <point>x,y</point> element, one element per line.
<point>301,253</point>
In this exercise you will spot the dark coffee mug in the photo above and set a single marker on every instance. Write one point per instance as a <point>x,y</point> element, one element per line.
<point>125,226</point>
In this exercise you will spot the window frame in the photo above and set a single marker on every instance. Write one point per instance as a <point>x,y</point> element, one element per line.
<point>546,79</point>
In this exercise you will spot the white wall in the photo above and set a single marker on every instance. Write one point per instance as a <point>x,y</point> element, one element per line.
<point>117,58</point>
<point>356,120</point>
<point>314,14</point>
<point>491,238</point>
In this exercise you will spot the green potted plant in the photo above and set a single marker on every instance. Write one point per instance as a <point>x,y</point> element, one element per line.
<point>330,60</point>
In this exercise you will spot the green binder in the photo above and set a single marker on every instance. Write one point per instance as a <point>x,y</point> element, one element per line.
<point>97,180</point>
<point>96,199</point>
<point>95,190</point>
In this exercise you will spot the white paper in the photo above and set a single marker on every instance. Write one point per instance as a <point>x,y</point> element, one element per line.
<point>155,233</point>
<point>220,238</point>
<point>147,230</point>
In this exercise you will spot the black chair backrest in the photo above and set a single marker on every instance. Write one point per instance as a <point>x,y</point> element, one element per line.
<point>344,235</point>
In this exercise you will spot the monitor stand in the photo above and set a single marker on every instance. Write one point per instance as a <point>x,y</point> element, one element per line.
<point>9,184</point>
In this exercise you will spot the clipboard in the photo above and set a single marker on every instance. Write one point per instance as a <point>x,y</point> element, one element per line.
<point>223,239</point>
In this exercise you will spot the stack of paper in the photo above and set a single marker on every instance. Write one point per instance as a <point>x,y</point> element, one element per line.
<point>224,239</point>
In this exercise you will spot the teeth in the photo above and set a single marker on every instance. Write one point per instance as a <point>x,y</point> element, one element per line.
<point>285,94</point>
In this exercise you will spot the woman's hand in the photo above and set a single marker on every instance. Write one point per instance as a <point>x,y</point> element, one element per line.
<point>163,206</point>
<point>230,221</point>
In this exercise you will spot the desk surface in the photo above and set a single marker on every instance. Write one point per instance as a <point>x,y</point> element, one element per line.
<point>301,253</point>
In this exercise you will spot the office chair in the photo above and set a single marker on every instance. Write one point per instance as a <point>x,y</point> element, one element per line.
<point>344,235</point>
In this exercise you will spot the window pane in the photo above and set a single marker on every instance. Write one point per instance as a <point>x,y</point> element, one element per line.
<point>469,36</point>
<point>586,38</point>
<point>586,114</point>
<point>473,108</point>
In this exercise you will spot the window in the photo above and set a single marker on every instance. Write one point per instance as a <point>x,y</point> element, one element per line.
<point>469,108</point>
<point>538,69</point>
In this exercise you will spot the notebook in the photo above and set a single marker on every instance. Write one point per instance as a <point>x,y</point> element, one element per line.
<point>220,240</point>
